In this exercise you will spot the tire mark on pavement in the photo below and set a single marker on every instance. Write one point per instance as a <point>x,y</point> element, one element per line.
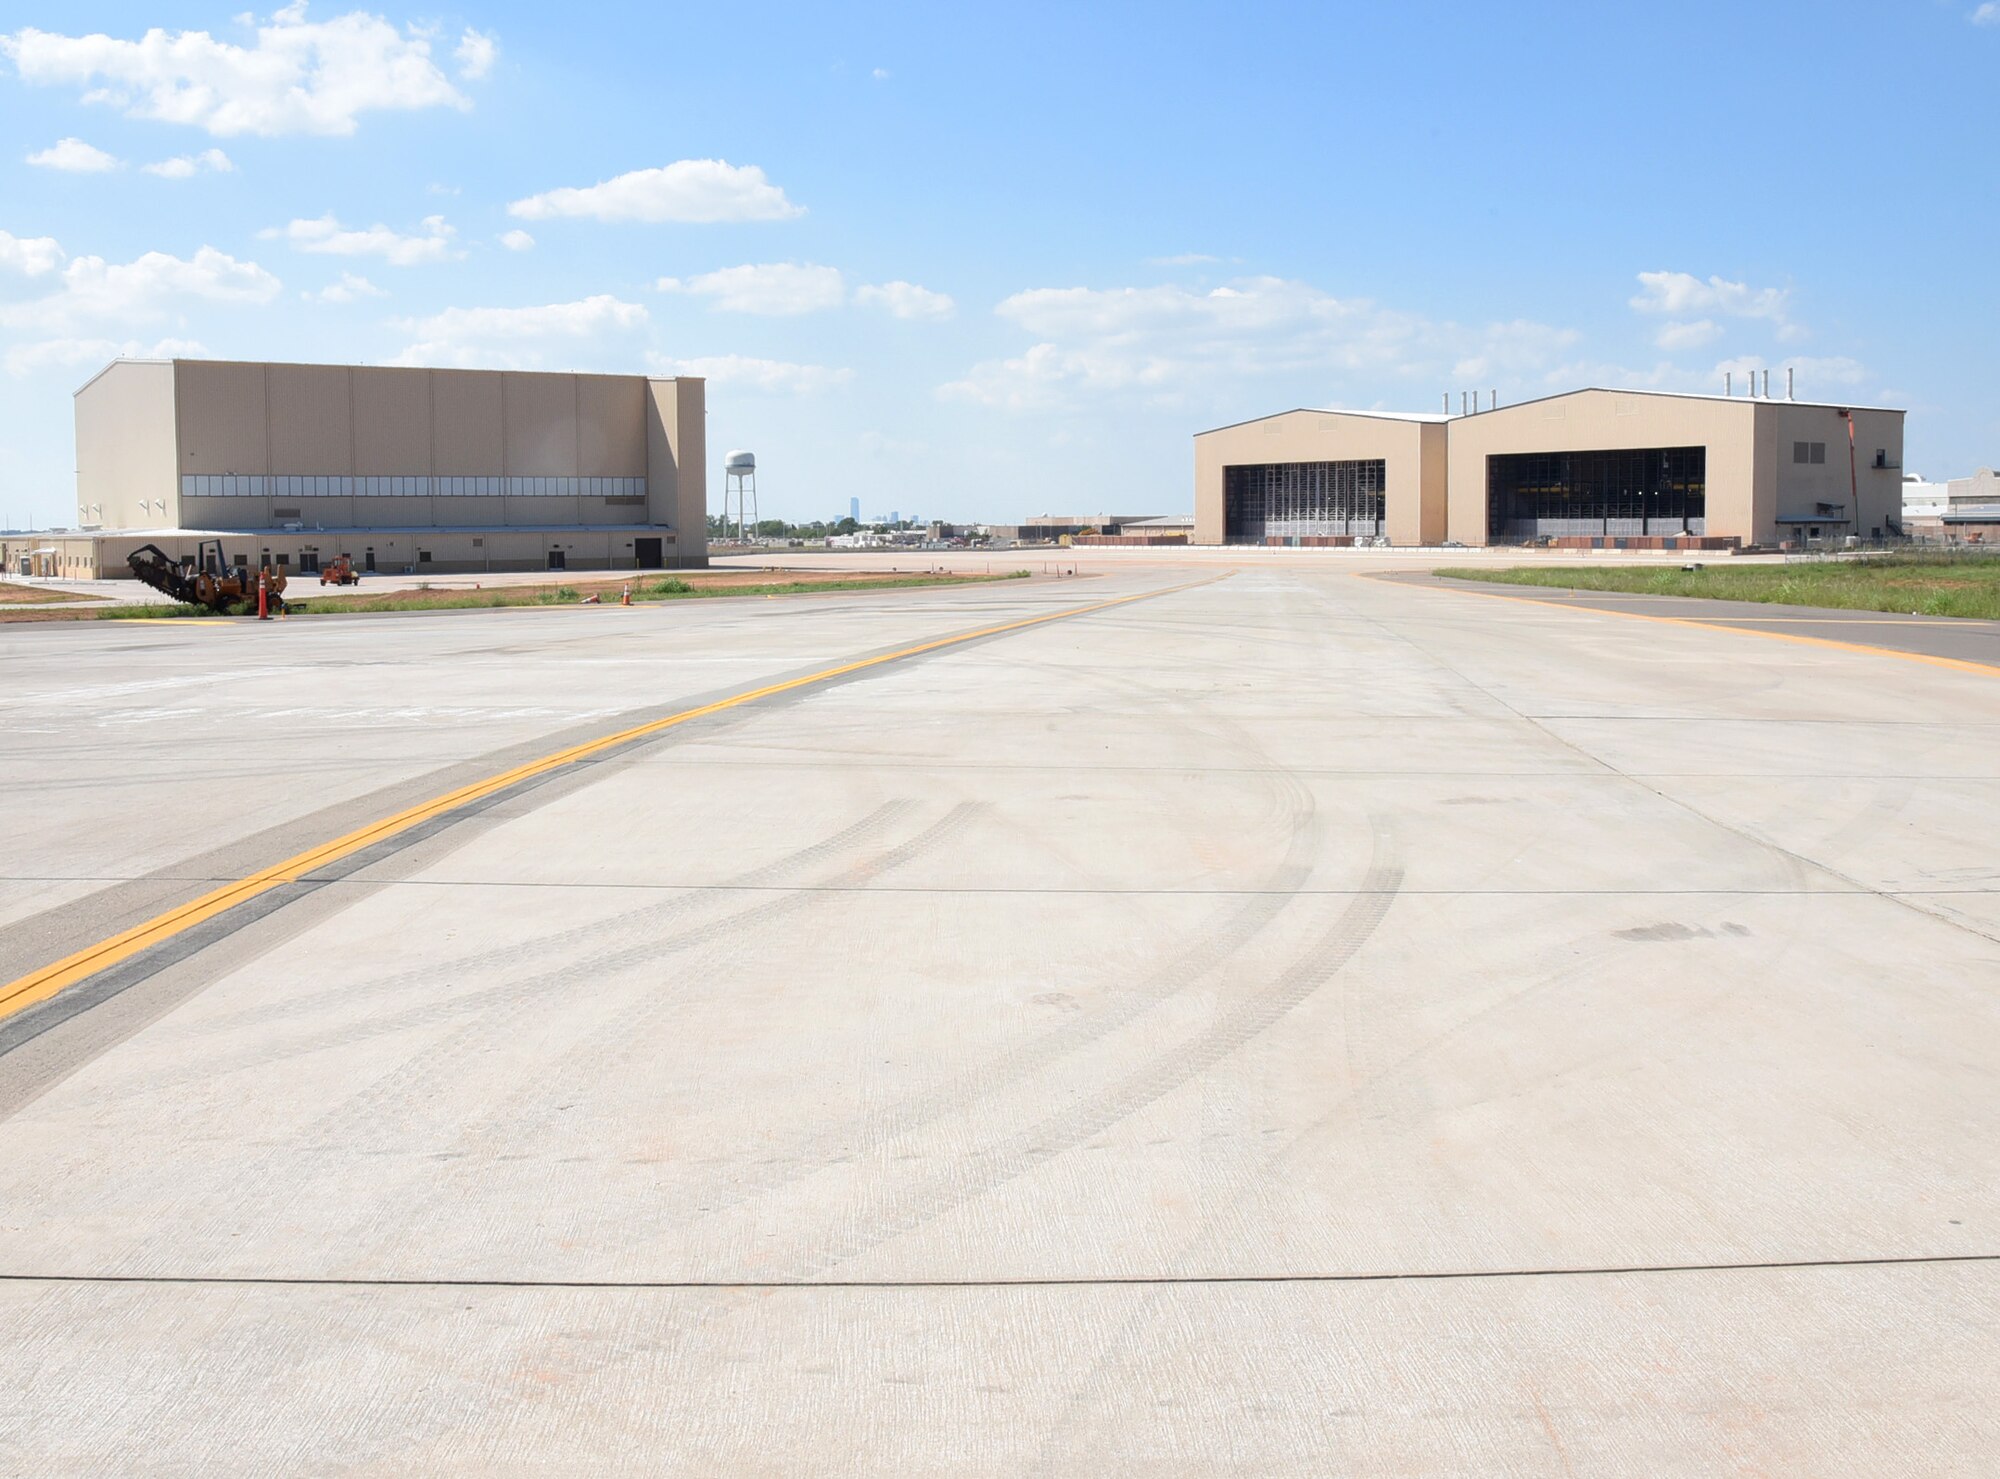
<point>1237,1025</point>
<point>503,960</point>
<point>383,1118</point>
<point>605,1054</point>
<point>849,1142</point>
<point>374,1120</point>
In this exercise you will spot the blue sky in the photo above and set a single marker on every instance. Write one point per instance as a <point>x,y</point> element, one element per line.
<point>995,262</point>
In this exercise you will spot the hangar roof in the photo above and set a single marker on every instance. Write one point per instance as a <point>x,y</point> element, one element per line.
<point>1436,416</point>
<point>1421,416</point>
<point>1692,395</point>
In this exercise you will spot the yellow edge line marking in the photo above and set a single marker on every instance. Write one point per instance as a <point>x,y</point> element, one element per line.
<point>40,985</point>
<point>1957,663</point>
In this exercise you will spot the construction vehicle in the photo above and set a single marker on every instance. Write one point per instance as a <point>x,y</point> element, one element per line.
<point>206,580</point>
<point>339,571</point>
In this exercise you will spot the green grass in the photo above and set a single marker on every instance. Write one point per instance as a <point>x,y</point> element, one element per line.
<point>1929,585</point>
<point>160,611</point>
<point>671,588</point>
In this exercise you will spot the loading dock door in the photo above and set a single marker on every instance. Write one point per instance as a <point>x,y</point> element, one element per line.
<point>646,553</point>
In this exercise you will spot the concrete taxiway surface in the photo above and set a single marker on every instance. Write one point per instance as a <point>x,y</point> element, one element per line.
<point>1295,1023</point>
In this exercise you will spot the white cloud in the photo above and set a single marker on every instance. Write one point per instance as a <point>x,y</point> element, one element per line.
<point>185,165</point>
<point>1047,374</point>
<point>475,54</point>
<point>30,256</point>
<point>773,289</point>
<point>517,241</point>
<point>349,288</point>
<point>1683,294</point>
<point>1507,350</point>
<point>296,76</point>
<point>75,157</point>
<point>1687,335</point>
<point>513,338</point>
<point>786,289</point>
<point>777,376</point>
<point>690,190</point>
<point>881,74</point>
<point>584,317</point>
<point>906,300</point>
<point>1986,15</point>
<point>149,287</point>
<point>325,234</point>
<point>24,359</point>
<point>1167,341</point>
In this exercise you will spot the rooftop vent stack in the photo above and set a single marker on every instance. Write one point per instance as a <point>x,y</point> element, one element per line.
<point>1728,383</point>
<point>1767,385</point>
<point>1461,403</point>
<point>1447,403</point>
<point>1495,395</point>
<point>1788,384</point>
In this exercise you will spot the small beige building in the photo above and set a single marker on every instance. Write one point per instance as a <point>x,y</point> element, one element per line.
<point>399,469</point>
<point>1594,467</point>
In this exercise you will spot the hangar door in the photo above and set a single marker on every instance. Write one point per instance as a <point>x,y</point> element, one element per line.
<point>1292,500</point>
<point>1625,491</point>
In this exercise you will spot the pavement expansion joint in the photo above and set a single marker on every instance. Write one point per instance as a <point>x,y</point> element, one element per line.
<point>1104,1281</point>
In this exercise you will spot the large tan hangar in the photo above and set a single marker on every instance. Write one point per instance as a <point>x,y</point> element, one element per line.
<point>1630,464</point>
<point>1318,477</point>
<point>425,469</point>
<point>1591,468</point>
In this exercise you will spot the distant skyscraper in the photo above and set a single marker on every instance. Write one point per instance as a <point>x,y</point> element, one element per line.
<point>854,509</point>
<point>894,517</point>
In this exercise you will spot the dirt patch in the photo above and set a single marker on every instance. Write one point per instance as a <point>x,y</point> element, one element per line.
<point>35,595</point>
<point>648,588</point>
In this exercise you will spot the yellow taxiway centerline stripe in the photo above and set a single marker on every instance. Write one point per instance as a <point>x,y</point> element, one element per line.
<point>40,985</point>
<point>1957,663</point>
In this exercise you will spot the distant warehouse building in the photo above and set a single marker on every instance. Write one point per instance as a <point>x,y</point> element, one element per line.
<point>1961,511</point>
<point>1590,467</point>
<point>399,469</point>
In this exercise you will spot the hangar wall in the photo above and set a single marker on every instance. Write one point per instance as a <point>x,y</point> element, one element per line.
<point>1412,449</point>
<point>1603,420</point>
<point>451,458</point>
<point>1800,485</point>
<point>125,446</point>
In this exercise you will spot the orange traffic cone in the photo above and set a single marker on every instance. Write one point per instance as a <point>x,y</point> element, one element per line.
<point>626,599</point>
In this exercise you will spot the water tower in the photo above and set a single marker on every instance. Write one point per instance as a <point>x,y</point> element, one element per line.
<point>739,476</point>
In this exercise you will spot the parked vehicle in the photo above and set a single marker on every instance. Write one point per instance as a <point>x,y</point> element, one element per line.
<point>206,580</point>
